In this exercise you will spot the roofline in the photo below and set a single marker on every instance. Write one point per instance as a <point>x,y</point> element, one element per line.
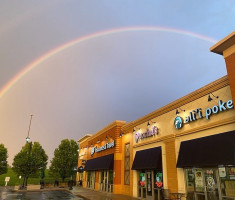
<point>224,44</point>
<point>84,138</point>
<point>108,127</point>
<point>214,86</point>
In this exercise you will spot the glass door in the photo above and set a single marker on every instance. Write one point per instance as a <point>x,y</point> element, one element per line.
<point>203,184</point>
<point>105,180</point>
<point>211,190</point>
<point>142,184</point>
<point>92,180</point>
<point>102,181</point>
<point>110,181</point>
<point>146,184</point>
<point>88,179</point>
<point>149,185</point>
<point>199,184</point>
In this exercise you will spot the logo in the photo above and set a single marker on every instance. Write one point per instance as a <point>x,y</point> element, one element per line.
<point>102,148</point>
<point>146,134</point>
<point>199,114</point>
<point>178,122</point>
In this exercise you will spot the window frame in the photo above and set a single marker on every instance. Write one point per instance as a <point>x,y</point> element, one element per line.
<point>126,170</point>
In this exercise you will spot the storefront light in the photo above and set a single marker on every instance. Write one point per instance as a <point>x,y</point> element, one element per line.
<point>148,124</point>
<point>107,137</point>
<point>121,134</point>
<point>209,97</point>
<point>177,111</point>
<point>134,129</point>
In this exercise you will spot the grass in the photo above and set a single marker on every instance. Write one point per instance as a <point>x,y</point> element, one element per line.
<point>14,180</point>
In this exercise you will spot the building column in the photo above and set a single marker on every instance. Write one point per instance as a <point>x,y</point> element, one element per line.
<point>117,170</point>
<point>172,178</point>
<point>226,47</point>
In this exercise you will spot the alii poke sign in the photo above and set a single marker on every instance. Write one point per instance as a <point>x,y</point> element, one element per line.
<point>148,133</point>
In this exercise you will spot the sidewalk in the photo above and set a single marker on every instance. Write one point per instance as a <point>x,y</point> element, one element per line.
<point>98,195</point>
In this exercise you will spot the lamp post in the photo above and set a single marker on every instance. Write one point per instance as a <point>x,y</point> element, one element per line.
<point>30,147</point>
<point>28,138</point>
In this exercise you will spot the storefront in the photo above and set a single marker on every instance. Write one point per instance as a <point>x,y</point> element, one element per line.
<point>196,136</point>
<point>209,166</point>
<point>184,149</point>
<point>82,159</point>
<point>102,169</point>
<point>148,164</point>
<point>188,152</point>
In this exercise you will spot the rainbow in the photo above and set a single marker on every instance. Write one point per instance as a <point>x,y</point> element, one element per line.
<point>76,41</point>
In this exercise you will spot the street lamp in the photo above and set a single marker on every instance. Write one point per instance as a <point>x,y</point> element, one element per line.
<point>28,138</point>
<point>30,147</point>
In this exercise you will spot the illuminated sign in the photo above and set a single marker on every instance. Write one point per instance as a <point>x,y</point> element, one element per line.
<point>178,122</point>
<point>198,114</point>
<point>102,148</point>
<point>146,134</point>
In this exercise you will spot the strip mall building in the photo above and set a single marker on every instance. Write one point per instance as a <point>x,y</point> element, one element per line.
<point>186,147</point>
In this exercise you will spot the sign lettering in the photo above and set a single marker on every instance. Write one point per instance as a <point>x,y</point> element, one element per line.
<point>148,133</point>
<point>198,114</point>
<point>102,148</point>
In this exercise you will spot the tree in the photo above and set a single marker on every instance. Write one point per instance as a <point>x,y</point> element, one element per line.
<point>3,159</point>
<point>30,161</point>
<point>65,159</point>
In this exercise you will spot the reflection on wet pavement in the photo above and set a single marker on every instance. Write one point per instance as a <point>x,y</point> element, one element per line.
<point>46,195</point>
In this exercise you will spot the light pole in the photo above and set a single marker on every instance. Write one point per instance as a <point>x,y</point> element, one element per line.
<point>28,138</point>
<point>30,147</point>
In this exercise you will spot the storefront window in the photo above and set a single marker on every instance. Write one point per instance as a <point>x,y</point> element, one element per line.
<point>199,182</point>
<point>88,179</point>
<point>190,180</point>
<point>210,178</point>
<point>102,177</point>
<point>211,183</point>
<point>111,177</point>
<point>227,179</point>
<point>158,179</point>
<point>142,179</point>
<point>127,164</point>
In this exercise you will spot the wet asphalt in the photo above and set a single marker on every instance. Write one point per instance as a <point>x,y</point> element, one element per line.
<point>8,194</point>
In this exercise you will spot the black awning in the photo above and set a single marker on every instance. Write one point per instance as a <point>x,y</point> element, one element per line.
<point>104,162</point>
<point>148,159</point>
<point>208,151</point>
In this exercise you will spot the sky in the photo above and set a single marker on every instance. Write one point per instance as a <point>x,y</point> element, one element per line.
<point>79,65</point>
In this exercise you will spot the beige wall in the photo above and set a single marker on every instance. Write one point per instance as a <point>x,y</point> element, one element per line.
<point>218,123</point>
<point>165,122</point>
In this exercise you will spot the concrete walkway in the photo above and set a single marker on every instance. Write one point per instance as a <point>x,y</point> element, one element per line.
<point>98,195</point>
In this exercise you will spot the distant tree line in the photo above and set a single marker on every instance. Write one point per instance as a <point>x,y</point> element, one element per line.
<point>3,159</point>
<point>32,160</point>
